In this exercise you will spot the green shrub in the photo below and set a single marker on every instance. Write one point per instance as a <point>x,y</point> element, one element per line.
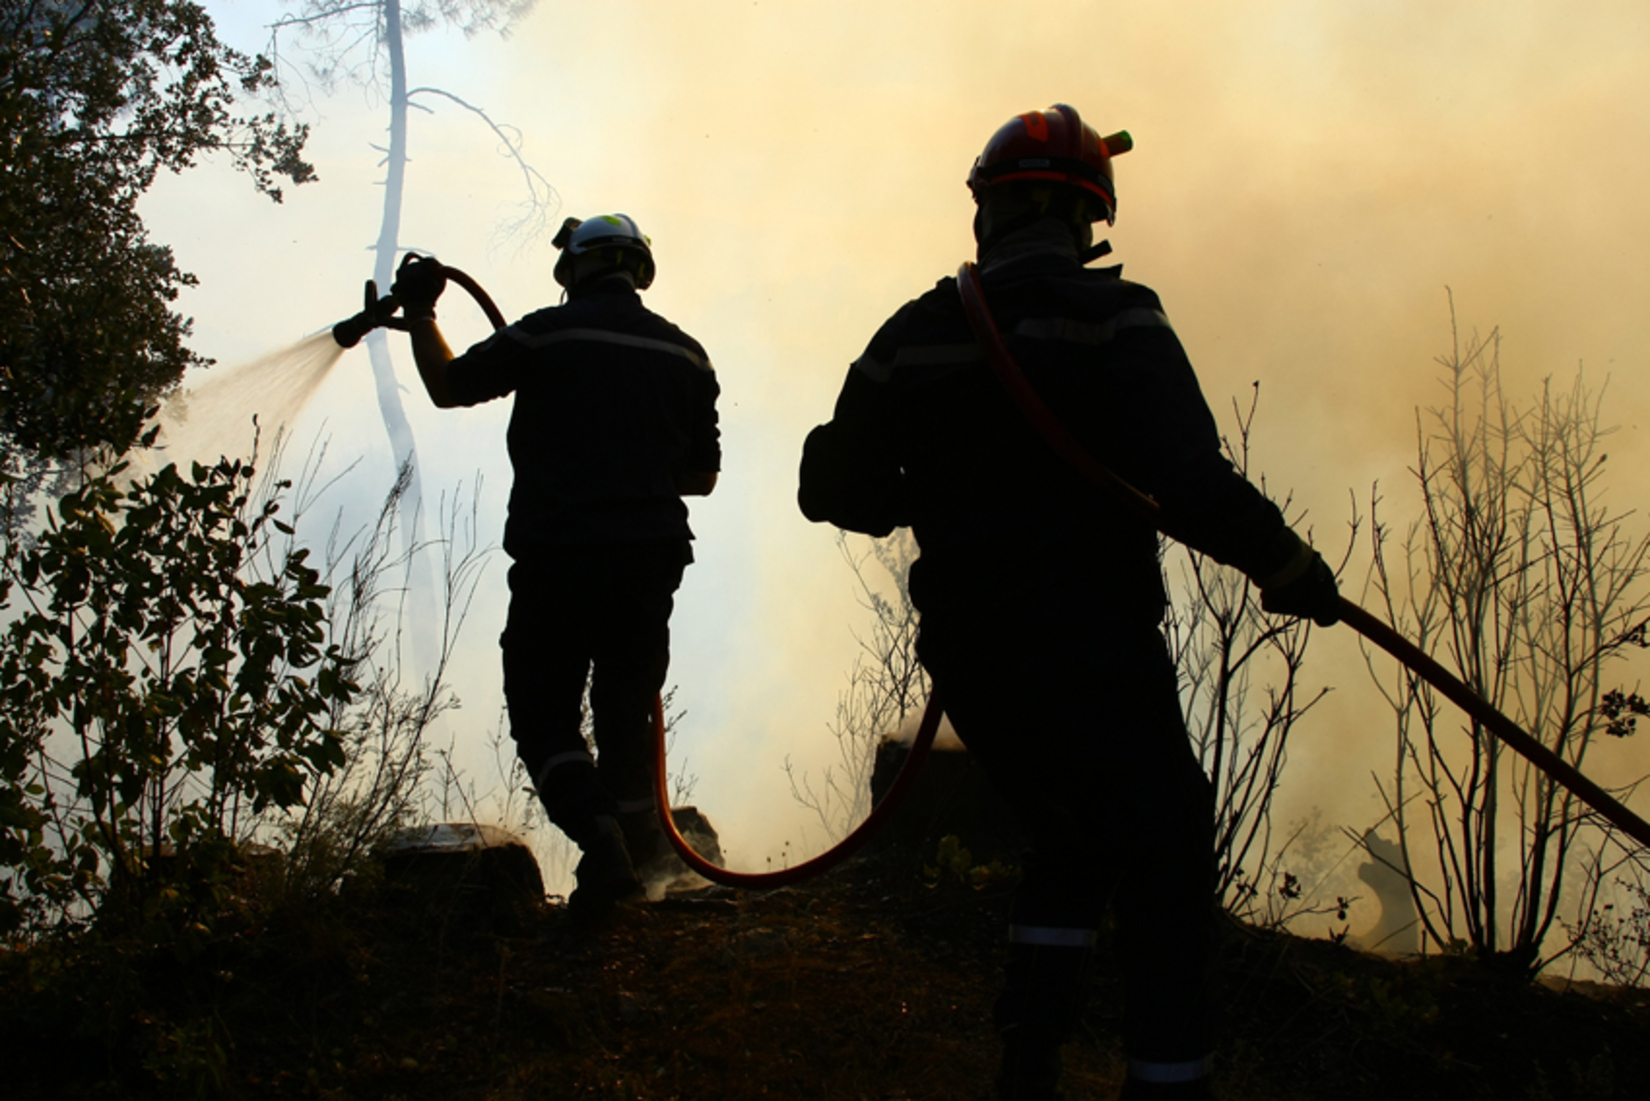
<point>159,691</point>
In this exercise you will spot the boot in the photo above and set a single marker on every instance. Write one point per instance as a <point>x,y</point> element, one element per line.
<point>1187,1089</point>
<point>1044,989</point>
<point>605,877</point>
<point>1030,1070</point>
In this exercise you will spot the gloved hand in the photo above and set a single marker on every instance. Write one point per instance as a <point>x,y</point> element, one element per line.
<point>419,281</point>
<point>1305,586</point>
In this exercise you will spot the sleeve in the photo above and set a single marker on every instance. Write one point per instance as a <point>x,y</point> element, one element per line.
<point>1160,436</point>
<point>704,452</point>
<point>488,370</point>
<point>850,475</point>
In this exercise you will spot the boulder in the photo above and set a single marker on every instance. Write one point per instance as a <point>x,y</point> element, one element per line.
<point>667,872</point>
<point>482,877</point>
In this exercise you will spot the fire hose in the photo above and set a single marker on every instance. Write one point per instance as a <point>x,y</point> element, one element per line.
<point>378,312</point>
<point>826,860</point>
<point>1366,624</point>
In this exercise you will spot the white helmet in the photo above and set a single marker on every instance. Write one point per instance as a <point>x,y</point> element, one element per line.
<point>613,238</point>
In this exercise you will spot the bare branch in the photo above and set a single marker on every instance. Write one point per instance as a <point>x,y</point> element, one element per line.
<point>542,201</point>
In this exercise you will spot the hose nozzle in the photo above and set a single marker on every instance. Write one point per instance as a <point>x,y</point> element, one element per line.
<point>379,313</point>
<point>375,313</point>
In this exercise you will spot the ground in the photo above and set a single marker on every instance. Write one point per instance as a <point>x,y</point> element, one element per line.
<point>873,982</point>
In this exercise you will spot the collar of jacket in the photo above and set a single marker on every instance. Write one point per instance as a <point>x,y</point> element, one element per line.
<point>607,284</point>
<point>1045,239</point>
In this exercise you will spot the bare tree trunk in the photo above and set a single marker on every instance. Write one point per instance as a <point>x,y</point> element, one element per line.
<point>383,369</point>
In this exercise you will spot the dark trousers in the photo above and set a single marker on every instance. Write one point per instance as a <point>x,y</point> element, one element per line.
<point>596,615</point>
<point>1080,728</point>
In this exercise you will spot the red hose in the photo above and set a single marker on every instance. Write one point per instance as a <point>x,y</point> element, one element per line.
<point>1049,426</point>
<point>826,860</point>
<point>483,299</point>
<point>1502,727</point>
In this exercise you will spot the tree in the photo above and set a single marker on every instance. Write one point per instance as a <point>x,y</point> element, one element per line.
<point>362,43</point>
<point>1533,589</point>
<point>95,99</point>
<point>1228,652</point>
<point>180,676</point>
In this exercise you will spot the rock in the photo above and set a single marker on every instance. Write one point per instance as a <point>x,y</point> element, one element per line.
<point>951,797</point>
<point>666,872</point>
<point>482,877</point>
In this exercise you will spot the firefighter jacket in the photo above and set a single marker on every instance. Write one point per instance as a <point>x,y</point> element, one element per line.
<point>611,402</point>
<point>924,434</point>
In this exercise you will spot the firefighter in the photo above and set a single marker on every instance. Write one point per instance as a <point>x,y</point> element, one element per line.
<point>1041,601</point>
<point>614,423</point>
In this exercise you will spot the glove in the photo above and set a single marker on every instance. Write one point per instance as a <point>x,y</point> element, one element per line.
<point>419,281</point>
<point>1304,586</point>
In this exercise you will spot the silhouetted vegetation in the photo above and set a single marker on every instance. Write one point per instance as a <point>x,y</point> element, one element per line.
<point>159,696</point>
<point>1521,577</point>
<point>97,98</point>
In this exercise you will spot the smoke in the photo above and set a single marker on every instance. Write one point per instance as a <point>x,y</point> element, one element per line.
<point>1308,180</point>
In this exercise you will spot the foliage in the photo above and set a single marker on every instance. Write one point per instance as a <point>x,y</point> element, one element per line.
<point>1532,588</point>
<point>1618,943</point>
<point>349,42</point>
<point>213,599</point>
<point>1225,648</point>
<point>378,787</point>
<point>157,695</point>
<point>95,99</point>
<point>954,863</point>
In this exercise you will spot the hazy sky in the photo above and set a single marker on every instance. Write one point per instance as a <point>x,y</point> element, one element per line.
<point>1308,178</point>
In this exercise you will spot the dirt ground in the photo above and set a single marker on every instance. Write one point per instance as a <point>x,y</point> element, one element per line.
<point>873,982</point>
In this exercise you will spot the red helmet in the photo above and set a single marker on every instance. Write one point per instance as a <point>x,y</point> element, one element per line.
<point>1055,145</point>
